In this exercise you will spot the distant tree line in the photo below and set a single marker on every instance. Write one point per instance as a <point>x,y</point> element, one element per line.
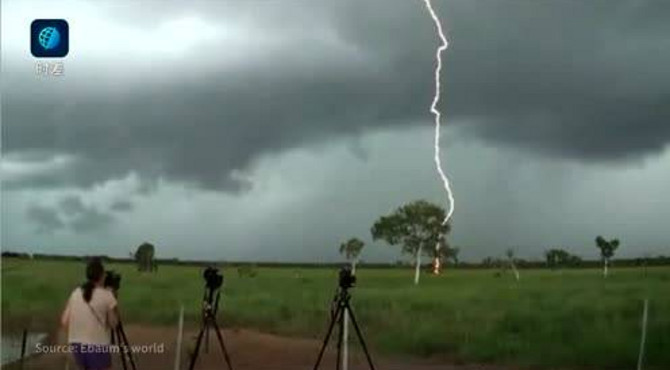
<point>487,262</point>
<point>571,261</point>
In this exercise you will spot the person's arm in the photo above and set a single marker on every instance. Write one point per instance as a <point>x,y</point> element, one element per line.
<point>113,317</point>
<point>65,316</point>
<point>62,334</point>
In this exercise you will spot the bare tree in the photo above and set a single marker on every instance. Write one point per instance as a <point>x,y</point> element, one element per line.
<point>511,259</point>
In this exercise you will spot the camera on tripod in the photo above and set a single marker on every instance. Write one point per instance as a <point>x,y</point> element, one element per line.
<point>340,314</point>
<point>112,280</point>
<point>118,335</point>
<point>210,300</point>
<point>347,278</point>
<point>213,279</point>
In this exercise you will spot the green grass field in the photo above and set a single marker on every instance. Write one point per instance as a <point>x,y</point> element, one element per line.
<point>569,318</point>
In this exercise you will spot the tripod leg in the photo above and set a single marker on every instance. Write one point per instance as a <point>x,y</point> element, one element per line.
<point>221,342</point>
<point>197,348</point>
<point>115,339</point>
<point>325,340</point>
<point>340,337</point>
<point>206,338</point>
<point>120,344</point>
<point>348,309</point>
<point>126,344</point>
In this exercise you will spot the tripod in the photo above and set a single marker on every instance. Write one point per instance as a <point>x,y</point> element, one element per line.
<point>343,307</point>
<point>209,321</point>
<point>119,337</point>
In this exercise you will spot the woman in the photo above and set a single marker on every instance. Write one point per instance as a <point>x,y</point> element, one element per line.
<point>88,316</point>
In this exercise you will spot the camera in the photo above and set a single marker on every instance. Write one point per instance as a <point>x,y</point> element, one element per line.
<point>112,280</point>
<point>347,279</point>
<point>213,279</point>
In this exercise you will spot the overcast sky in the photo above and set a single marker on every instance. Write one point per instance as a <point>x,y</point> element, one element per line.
<point>274,130</point>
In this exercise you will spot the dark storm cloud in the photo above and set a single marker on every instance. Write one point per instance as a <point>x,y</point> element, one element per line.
<point>72,206</point>
<point>121,206</point>
<point>71,212</point>
<point>91,219</point>
<point>81,217</point>
<point>46,219</point>
<point>584,80</point>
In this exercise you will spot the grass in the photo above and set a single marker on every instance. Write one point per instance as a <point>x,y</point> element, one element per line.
<point>570,318</point>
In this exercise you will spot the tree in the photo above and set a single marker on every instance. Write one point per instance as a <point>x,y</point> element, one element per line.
<point>561,258</point>
<point>417,227</point>
<point>351,249</point>
<point>510,258</point>
<point>551,258</point>
<point>607,249</point>
<point>144,256</point>
<point>451,253</point>
<point>555,257</point>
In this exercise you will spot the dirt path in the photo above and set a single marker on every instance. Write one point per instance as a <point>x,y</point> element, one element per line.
<point>248,350</point>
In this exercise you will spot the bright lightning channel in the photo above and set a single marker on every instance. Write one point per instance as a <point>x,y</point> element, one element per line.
<point>433,109</point>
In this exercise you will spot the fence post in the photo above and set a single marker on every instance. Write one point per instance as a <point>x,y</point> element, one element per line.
<point>640,358</point>
<point>177,356</point>
<point>23,346</point>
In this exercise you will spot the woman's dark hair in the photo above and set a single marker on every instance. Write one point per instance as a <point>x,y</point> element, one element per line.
<point>94,272</point>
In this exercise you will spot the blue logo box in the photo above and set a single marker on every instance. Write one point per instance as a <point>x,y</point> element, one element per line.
<point>49,38</point>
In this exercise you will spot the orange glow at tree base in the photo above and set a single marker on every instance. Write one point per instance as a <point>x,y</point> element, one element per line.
<point>436,266</point>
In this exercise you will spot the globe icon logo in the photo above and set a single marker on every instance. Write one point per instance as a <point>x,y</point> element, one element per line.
<point>49,38</point>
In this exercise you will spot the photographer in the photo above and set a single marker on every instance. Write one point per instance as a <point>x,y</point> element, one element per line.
<point>89,315</point>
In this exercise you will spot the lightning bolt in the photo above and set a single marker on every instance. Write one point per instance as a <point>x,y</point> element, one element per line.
<point>438,115</point>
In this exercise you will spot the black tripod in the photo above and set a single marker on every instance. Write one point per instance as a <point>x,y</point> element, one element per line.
<point>343,307</point>
<point>119,338</point>
<point>210,307</point>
